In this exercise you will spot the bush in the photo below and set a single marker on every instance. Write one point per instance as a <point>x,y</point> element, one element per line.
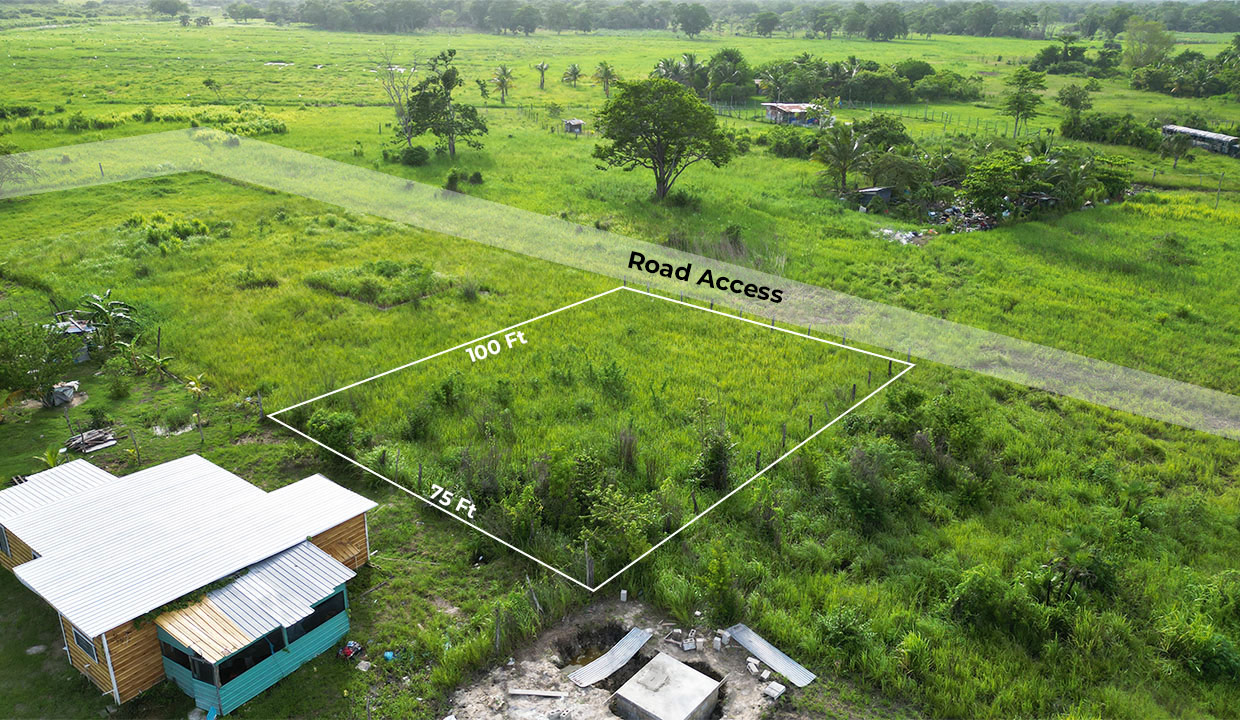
<point>333,429</point>
<point>417,426</point>
<point>414,155</point>
<point>786,141</point>
<point>453,181</point>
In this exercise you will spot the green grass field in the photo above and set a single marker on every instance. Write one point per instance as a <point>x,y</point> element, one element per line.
<point>920,550</point>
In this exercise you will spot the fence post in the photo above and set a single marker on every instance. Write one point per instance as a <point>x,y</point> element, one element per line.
<point>1219,191</point>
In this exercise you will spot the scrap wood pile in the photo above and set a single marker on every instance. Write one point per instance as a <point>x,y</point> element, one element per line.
<point>91,440</point>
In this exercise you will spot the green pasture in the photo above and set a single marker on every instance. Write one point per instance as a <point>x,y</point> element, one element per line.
<point>917,552</point>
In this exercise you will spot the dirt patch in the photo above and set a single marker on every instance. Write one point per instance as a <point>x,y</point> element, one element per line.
<point>35,404</point>
<point>546,663</point>
<point>445,607</point>
<point>263,437</point>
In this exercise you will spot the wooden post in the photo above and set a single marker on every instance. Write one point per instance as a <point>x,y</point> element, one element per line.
<point>1219,191</point>
<point>854,392</point>
<point>589,566</point>
<point>137,452</point>
<point>100,169</point>
<point>888,368</point>
<point>419,477</point>
<point>811,422</point>
<point>261,415</point>
<point>869,377</point>
<point>757,462</point>
<point>497,630</point>
<point>783,440</point>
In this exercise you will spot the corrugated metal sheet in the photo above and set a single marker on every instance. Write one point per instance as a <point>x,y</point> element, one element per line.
<point>771,655</point>
<point>612,660</point>
<point>276,592</point>
<point>1206,134</point>
<point>49,486</point>
<point>125,548</point>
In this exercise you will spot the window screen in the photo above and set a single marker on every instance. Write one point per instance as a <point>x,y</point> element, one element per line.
<point>203,671</point>
<point>85,644</point>
<point>251,655</point>
<point>174,654</point>
<point>324,611</point>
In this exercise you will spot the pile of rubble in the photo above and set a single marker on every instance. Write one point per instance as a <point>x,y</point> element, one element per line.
<point>906,237</point>
<point>963,219</point>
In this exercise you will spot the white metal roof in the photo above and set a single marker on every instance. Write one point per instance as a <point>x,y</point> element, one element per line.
<point>791,107</point>
<point>1201,133</point>
<point>276,592</point>
<point>49,486</point>
<point>118,551</point>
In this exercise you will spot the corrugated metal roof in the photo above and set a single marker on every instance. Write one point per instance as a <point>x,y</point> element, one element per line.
<point>276,592</point>
<point>120,550</point>
<point>49,486</point>
<point>612,660</point>
<point>1201,133</point>
<point>771,655</point>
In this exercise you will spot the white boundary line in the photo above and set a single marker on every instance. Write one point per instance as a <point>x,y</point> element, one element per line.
<point>907,366</point>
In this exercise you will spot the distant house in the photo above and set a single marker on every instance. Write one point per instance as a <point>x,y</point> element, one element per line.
<point>868,194</point>
<point>574,126</point>
<point>790,113</point>
<point>257,578</point>
<point>1212,141</point>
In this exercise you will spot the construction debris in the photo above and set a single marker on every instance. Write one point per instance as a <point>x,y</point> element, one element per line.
<point>613,659</point>
<point>61,393</point>
<point>769,654</point>
<point>363,665</point>
<point>774,690</point>
<point>91,440</point>
<point>536,693</point>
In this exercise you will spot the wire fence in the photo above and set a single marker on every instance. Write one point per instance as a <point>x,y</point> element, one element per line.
<point>945,122</point>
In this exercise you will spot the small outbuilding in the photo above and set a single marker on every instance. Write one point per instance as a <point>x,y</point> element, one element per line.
<point>790,113</point>
<point>868,194</point>
<point>574,126</point>
<point>667,689</point>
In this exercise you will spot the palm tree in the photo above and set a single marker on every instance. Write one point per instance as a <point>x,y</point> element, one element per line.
<point>1175,147</point>
<point>690,69</point>
<point>667,68</point>
<point>572,74</point>
<point>841,149</point>
<point>606,74</point>
<point>542,69</point>
<point>502,80</point>
<point>771,83</point>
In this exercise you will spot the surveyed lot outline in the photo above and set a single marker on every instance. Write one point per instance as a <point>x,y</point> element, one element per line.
<point>905,367</point>
<point>362,190</point>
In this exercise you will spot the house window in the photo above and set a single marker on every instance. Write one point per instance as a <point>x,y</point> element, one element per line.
<point>202,670</point>
<point>4,542</point>
<point>85,644</point>
<point>174,654</point>
<point>324,611</point>
<point>251,655</point>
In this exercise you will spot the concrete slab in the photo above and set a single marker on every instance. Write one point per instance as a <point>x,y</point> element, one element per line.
<point>667,689</point>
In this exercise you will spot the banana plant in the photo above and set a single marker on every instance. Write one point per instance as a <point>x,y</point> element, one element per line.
<point>109,317</point>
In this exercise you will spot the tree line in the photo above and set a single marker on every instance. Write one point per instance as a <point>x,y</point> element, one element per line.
<point>881,21</point>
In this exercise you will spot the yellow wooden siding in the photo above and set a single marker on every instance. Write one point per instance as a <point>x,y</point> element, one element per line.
<point>96,670</point>
<point>346,542</point>
<point>136,658</point>
<point>19,552</point>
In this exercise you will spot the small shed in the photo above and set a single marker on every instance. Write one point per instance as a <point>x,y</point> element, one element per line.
<point>667,689</point>
<point>574,126</point>
<point>790,113</point>
<point>868,194</point>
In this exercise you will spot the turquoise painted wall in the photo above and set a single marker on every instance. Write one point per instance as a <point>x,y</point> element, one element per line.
<point>263,675</point>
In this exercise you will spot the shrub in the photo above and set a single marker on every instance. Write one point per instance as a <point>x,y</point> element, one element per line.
<point>414,155</point>
<point>417,425</point>
<point>333,429</point>
<point>475,178</point>
<point>453,181</point>
<point>789,142</point>
<point>177,417</point>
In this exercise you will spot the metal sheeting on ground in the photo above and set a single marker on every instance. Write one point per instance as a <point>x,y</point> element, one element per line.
<point>49,486</point>
<point>771,655</point>
<point>612,660</point>
<point>118,551</point>
<point>274,593</point>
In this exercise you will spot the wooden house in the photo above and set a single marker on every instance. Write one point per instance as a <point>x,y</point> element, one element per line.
<point>185,571</point>
<point>790,113</point>
<point>574,126</point>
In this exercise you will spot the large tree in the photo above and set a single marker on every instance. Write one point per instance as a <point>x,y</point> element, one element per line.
<point>663,126</point>
<point>168,7</point>
<point>692,19</point>
<point>432,109</point>
<point>1146,42</point>
<point>33,358</point>
<point>503,81</point>
<point>398,82</point>
<point>1021,101</point>
<point>606,74</point>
